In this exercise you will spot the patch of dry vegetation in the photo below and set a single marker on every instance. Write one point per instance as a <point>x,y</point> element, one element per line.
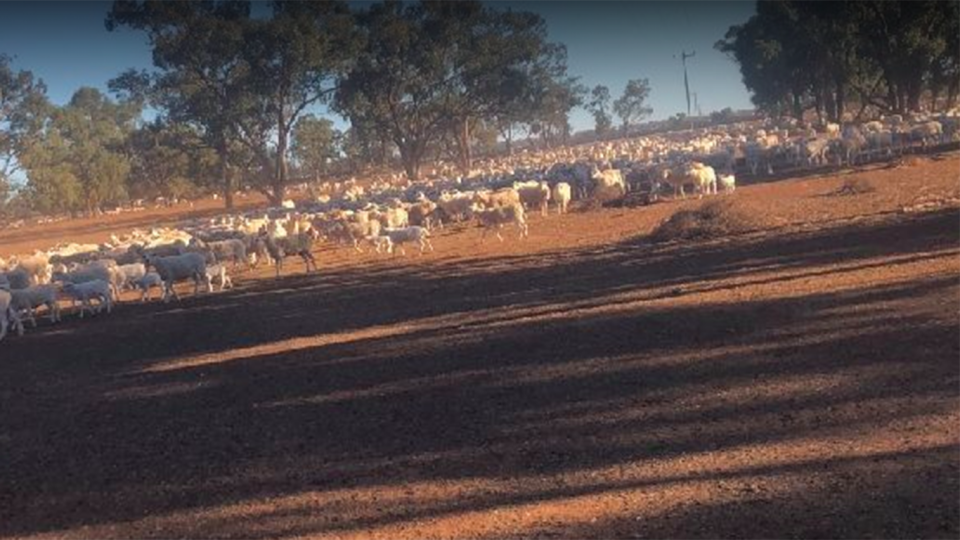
<point>714,219</point>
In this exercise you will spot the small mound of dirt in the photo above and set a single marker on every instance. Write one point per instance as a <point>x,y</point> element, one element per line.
<point>855,186</point>
<point>714,219</point>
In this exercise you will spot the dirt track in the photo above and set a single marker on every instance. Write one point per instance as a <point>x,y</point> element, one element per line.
<point>799,381</point>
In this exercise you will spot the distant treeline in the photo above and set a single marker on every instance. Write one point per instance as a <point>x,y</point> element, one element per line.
<point>841,59</point>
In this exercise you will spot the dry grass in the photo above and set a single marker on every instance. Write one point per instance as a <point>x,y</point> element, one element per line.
<point>713,219</point>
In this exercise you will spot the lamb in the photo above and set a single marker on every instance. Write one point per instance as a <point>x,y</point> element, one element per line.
<point>90,273</point>
<point>398,237</point>
<point>497,217</point>
<point>88,290</point>
<point>218,271</point>
<point>562,195</point>
<point>280,248</point>
<point>33,297</point>
<point>728,182</point>
<point>8,316</point>
<point>534,195</point>
<point>381,243</point>
<point>815,151</point>
<point>147,282</point>
<point>178,267</point>
<point>127,275</point>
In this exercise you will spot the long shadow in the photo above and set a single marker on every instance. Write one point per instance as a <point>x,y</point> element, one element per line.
<point>883,496</point>
<point>85,442</point>
<point>355,297</point>
<point>81,458</point>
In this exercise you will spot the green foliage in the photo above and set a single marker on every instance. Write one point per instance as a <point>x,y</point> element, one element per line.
<point>631,106</point>
<point>79,162</point>
<point>240,79</point>
<point>723,116</point>
<point>796,55</point>
<point>164,158</point>
<point>433,68</point>
<point>23,110</point>
<point>598,107</point>
<point>315,144</point>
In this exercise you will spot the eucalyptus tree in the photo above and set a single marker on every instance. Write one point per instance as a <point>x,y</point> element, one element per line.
<point>435,68</point>
<point>632,106</point>
<point>23,111</point>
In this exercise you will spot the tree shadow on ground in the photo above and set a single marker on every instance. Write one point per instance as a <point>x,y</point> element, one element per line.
<point>505,384</point>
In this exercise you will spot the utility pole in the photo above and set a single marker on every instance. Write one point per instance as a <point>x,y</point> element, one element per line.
<point>686,83</point>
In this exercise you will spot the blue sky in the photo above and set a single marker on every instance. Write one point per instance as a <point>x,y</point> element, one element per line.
<point>67,45</point>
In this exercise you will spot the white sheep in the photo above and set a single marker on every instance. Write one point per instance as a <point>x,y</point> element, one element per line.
<point>91,273</point>
<point>127,275</point>
<point>562,193</point>
<point>496,218</point>
<point>280,248</point>
<point>728,182</point>
<point>381,244</point>
<point>534,195</point>
<point>8,316</point>
<point>703,177</point>
<point>37,267</point>
<point>501,197</point>
<point>608,185</point>
<point>219,272</point>
<point>232,249</point>
<point>28,299</point>
<point>98,289</point>
<point>405,235</point>
<point>149,281</point>
<point>179,267</point>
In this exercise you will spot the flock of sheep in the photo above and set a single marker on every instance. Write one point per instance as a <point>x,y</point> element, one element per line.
<point>389,212</point>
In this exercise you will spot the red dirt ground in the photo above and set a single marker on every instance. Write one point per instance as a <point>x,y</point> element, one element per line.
<point>800,380</point>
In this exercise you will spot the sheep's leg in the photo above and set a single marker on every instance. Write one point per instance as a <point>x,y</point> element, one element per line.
<point>3,326</point>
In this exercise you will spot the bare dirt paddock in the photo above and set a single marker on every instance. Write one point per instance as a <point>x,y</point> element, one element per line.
<point>797,381</point>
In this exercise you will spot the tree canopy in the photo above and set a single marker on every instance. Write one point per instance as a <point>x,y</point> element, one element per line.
<point>431,69</point>
<point>795,56</point>
<point>631,107</point>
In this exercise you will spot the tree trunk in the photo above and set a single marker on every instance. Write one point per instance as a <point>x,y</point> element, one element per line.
<point>225,178</point>
<point>280,176</point>
<point>463,146</point>
<point>914,92</point>
<point>411,154</point>
<point>952,90</point>
<point>840,100</point>
<point>797,107</point>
